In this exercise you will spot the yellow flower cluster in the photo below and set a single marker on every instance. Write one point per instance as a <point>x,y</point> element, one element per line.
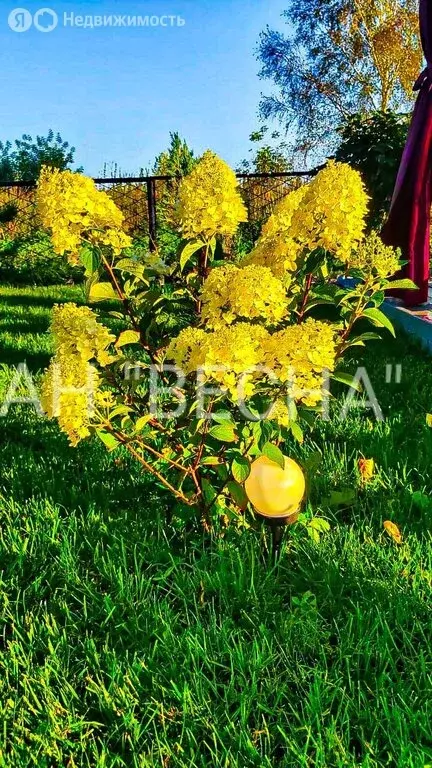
<point>250,293</point>
<point>71,385</point>
<point>333,212</point>
<point>75,211</point>
<point>299,355</point>
<point>188,349</point>
<point>276,247</point>
<point>329,212</point>
<point>228,356</point>
<point>77,332</point>
<point>279,413</point>
<point>296,357</point>
<point>68,392</point>
<point>209,201</point>
<point>373,257</point>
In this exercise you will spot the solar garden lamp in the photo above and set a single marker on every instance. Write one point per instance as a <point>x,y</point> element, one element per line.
<point>276,495</point>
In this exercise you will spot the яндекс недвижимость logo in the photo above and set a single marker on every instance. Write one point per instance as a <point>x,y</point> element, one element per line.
<point>44,20</point>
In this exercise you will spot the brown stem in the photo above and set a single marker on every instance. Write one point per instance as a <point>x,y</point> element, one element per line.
<point>178,494</point>
<point>204,435</point>
<point>120,293</point>
<point>308,286</point>
<point>127,307</point>
<point>203,269</point>
<point>208,507</point>
<point>354,317</point>
<point>203,262</point>
<point>171,462</point>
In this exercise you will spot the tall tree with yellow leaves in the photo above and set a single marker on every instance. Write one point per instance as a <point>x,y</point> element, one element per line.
<point>338,58</point>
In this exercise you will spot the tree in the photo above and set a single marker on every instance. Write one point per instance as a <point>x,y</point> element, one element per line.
<point>24,160</point>
<point>373,144</point>
<point>266,157</point>
<point>339,58</point>
<point>178,160</point>
<point>269,155</point>
<point>6,164</point>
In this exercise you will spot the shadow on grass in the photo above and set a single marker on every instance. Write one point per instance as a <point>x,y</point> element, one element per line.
<point>21,324</point>
<point>38,462</point>
<point>71,293</point>
<point>35,362</point>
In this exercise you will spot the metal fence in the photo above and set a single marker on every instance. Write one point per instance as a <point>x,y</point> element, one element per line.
<point>146,200</point>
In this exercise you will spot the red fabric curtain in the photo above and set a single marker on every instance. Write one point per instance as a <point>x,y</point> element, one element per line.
<point>408,224</point>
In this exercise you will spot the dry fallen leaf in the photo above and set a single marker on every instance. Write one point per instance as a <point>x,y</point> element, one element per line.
<point>366,468</point>
<point>393,531</point>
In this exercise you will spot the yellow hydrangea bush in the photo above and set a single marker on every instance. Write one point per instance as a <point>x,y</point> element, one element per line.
<point>72,385</point>
<point>250,293</point>
<point>214,359</point>
<point>329,213</point>
<point>332,215</point>
<point>276,248</point>
<point>209,200</point>
<point>77,213</point>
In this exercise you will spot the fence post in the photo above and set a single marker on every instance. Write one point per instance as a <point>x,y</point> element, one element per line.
<point>151,204</point>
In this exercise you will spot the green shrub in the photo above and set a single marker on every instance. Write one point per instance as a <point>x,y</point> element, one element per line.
<point>32,261</point>
<point>373,145</point>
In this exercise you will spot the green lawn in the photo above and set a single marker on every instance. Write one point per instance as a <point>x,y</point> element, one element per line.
<point>126,642</point>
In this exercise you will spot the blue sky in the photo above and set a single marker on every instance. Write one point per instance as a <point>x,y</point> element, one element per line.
<point>115,93</point>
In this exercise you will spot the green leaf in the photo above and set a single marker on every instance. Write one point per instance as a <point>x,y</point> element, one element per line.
<point>377,298</point>
<point>120,410</point>
<point>131,266</point>
<point>308,416</point>
<point>316,527</point>
<point>319,524</point>
<point>314,260</point>
<point>127,337</point>
<point>346,497</point>
<point>210,461</point>
<point>238,494</point>
<point>379,319</point>
<point>188,251</point>
<point>404,285</point>
<point>223,471</point>
<point>297,432</point>
<point>102,292</point>
<point>142,422</point>
<point>317,302</point>
<point>369,336</point>
<point>257,430</point>
<point>110,442</point>
<point>274,454</point>
<point>89,260</point>
<point>348,379</point>
<point>224,432</point>
<point>240,468</point>
<point>221,417</point>
<point>91,280</point>
<point>209,492</point>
